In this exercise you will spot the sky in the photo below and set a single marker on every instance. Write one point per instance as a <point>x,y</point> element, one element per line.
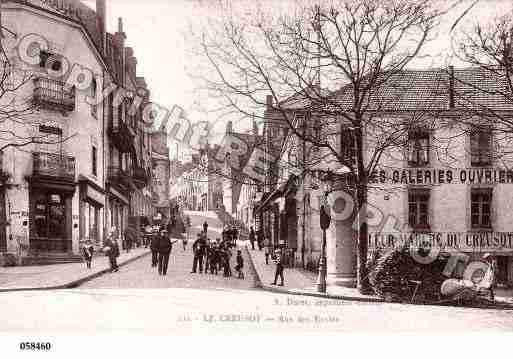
<point>158,30</point>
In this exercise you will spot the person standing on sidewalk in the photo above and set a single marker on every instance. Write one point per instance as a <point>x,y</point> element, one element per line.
<point>112,250</point>
<point>252,238</point>
<point>88,251</point>
<point>164,249</point>
<point>279,267</point>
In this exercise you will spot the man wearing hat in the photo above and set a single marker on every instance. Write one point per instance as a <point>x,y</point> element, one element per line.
<point>489,277</point>
<point>198,248</point>
<point>164,248</point>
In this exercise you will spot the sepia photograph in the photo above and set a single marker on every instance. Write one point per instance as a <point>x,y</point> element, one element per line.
<point>189,168</point>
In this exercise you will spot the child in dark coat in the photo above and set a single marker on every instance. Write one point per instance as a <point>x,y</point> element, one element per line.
<point>240,264</point>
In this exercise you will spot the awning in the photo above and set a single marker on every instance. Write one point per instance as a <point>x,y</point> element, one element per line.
<point>281,191</point>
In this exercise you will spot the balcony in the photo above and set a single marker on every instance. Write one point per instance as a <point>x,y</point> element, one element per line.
<point>53,95</point>
<point>120,177</point>
<point>122,136</point>
<point>54,165</point>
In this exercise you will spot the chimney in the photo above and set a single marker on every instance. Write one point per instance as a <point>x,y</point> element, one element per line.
<point>101,16</point>
<point>269,102</point>
<point>255,128</point>
<point>451,87</point>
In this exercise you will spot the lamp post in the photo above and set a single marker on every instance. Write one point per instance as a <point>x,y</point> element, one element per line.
<point>325,220</point>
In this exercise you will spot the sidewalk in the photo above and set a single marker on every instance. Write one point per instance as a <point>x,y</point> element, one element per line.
<point>60,276</point>
<point>299,281</point>
<point>302,282</point>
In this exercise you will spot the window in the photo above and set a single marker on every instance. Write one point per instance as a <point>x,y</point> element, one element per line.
<point>94,160</point>
<point>418,148</point>
<point>480,210</point>
<point>93,89</point>
<point>51,138</point>
<point>49,61</point>
<point>481,148</point>
<point>418,208</point>
<point>347,144</point>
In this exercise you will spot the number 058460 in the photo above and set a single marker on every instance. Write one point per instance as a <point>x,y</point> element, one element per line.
<point>35,346</point>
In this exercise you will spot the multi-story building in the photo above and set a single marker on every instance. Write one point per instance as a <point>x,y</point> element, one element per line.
<point>161,172</point>
<point>447,184</point>
<point>86,168</point>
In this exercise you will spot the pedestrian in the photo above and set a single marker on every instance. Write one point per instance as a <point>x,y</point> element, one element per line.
<point>260,240</point>
<point>214,260</point>
<point>226,261</point>
<point>489,277</point>
<point>112,250</point>
<point>240,264</point>
<point>208,253</point>
<point>198,249</point>
<point>87,251</point>
<point>235,236</point>
<point>129,238</point>
<point>154,247</point>
<point>184,243</point>
<point>267,252</point>
<point>279,267</point>
<point>205,227</point>
<point>252,238</point>
<point>164,249</point>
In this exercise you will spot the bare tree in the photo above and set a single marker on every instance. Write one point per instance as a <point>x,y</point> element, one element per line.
<point>355,49</point>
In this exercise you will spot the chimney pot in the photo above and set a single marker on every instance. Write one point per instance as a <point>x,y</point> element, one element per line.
<point>451,87</point>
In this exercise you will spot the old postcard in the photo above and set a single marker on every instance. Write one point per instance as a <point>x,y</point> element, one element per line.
<point>235,166</point>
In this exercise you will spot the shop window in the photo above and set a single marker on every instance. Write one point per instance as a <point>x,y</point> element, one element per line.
<point>418,208</point>
<point>418,148</point>
<point>480,212</point>
<point>50,216</point>
<point>481,148</point>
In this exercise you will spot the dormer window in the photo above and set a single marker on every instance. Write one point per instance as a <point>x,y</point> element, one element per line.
<point>418,148</point>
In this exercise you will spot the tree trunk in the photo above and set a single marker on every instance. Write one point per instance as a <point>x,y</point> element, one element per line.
<point>362,277</point>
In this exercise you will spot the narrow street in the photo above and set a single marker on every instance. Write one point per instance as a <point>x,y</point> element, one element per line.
<point>137,298</point>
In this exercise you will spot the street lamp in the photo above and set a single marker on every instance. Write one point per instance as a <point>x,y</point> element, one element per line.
<point>325,221</point>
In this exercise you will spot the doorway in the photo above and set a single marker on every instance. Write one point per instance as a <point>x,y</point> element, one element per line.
<point>502,270</point>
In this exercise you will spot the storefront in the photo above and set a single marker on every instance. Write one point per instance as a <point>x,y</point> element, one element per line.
<point>92,200</point>
<point>50,218</point>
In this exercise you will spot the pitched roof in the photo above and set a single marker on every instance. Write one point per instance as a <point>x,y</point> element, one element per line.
<point>429,90</point>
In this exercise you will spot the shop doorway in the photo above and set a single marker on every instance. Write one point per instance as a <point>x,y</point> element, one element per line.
<point>502,270</point>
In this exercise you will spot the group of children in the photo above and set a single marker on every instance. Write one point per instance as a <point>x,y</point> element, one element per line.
<point>217,256</point>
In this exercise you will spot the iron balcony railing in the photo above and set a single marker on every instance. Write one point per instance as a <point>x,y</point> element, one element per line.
<point>53,94</point>
<point>54,165</point>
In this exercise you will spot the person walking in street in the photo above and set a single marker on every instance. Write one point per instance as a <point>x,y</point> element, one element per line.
<point>252,238</point>
<point>164,249</point>
<point>240,265</point>
<point>279,267</point>
<point>154,247</point>
<point>198,250</point>
<point>112,250</point>
<point>205,227</point>
<point>235,236</point>
<point>87,251</point>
